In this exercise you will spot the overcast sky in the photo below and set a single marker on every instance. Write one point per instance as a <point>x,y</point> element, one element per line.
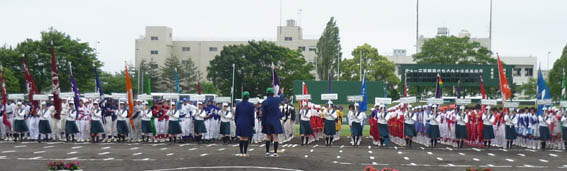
<point>520,27</point>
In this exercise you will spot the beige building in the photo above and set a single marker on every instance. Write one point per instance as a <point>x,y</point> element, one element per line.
<point>444,31</point>
<point>158,44</point>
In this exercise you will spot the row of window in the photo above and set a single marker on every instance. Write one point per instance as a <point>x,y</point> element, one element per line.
<point>518,72</point>
<point>311,48</point>
<point>184,49</point>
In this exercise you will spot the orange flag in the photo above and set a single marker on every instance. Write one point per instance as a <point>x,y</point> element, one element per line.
<point>504,86</point>
<point>130,96</point>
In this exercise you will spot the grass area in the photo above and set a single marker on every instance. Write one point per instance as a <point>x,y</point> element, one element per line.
<point>345,130</point>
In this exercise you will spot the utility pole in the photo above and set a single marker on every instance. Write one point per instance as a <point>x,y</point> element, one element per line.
<point>416,26</point>
<point>490,28</point>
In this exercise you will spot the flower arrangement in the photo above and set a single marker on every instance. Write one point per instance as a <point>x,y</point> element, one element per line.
<point>479,169</point>
<point>59,165</point>
<point>371,168</point>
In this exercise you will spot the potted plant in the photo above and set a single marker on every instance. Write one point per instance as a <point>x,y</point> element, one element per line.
<point>61,166</point>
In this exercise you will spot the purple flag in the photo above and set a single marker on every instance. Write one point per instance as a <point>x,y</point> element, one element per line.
<point>275,82</point>
<point>439,87</point>
<point>77,94</point>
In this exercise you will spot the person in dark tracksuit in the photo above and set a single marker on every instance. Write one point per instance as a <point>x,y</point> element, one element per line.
<point>244,119</point>
<point>271,120</point>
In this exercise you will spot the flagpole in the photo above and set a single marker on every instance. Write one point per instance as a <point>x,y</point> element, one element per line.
<point>232,87</point>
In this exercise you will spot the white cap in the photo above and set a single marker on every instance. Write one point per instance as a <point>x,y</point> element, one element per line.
<point>330,102</point>
<point>462,107</point>
<point>121,102</point>
<point>356,104</point>
<point>199,103</point>
<point>409,106</point>
<point>71,102</point>
<point>43,103</point>
<point>146,103</point>
<point>224,104</point>
<point>488,107</point>
<point>304,103</point>
<point>19,103</point>
<point>376,105</point>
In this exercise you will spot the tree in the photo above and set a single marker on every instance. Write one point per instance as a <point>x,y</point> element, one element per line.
<point>378,68</point>
<point>38,55</point>
<point>329,51</point>
<point>151,69</point>
<point>529,89</point>
<point>253,63</point>
<point>556,74</point>
<point>189,73</point>
<point>12,84</point>
<point>115,83</point>
<point>453,50</point>
<point>209,88</point>
<point>167,71</point>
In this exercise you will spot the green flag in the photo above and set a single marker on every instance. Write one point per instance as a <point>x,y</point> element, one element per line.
<point>150,102</point>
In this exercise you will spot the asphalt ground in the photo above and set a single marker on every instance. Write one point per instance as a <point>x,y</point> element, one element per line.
<point>316,156</point>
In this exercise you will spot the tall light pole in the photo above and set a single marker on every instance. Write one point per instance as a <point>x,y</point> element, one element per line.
<point>490,28</point>
<point>416,25</point>
<point>548,53</point>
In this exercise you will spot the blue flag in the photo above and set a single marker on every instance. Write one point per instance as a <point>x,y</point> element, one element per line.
<point>77,94</point>
<point>101,93</point>
<point>542,91</point>
<point>364,104</point>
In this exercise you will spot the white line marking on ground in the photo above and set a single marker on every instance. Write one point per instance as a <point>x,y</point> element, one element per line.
<point>553,155</point>
<point>38,152</point>
<point>369,147</point>
<point>306,156</point>
<point>163,149</point>
<point>108,159</point>
<point>338,157</point>
<point>228,167</point>
<point>72,152</point>
<point>542,160</point>
<point>311,150</point>
<point>221,149</point>
<point>371,157</point>
<point>76,147</point>
<point>295,145</point>
<point>520,154</point>
<point>430,153</point>
<point>20,146</point>
<point>262,145</point>
<point>183,145</point>
<point>9,151</point>
<point>340,151</point>
<point>134,148</point>
<point>342,146</point>
<point>72,158</point>
<point>422,148</point>
<point>144,159</point>
<point>235,145</point>
<point>531,150</point>
<point>439,158</point>
<point>510,160</point>
<point>316,145</point>
<point>531,166</point>
<point>448,148</point>
<point>282,150</point>
<point>103,153</point>
<point>251,149</point>
<point>370,152</point>
<point>395,147</point>
<point>399,152</point>
<point>406,158</point>
<point>210,145</point>
<point>462,154</point>
<point>191,149</point>
<point>135,154</point>
<point>491,154</point>
<point>476,149</point>
<point>104,148</point>
<point>204,154</point>
<point>50,146</point>
<point>170,154</point>
<point>476,159</point>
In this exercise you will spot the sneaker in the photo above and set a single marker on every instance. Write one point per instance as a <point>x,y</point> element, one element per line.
<point>239,155</point>
<point>274,155</point>
<point>245,155</point>
<point>268,154</point>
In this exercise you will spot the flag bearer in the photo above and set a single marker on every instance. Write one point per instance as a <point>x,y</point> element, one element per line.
<point>356,119</point>
<point>244,119</point>
<point>70,124</point>
<point>461,127</point>
<point>271,120</point>
<point>511,120</point>
<point>121,124</point>
<point>487,130</point>
<point>96,123</point>
<point>199,123</point>
<point>434,120</point>
<point>226,116</point>
<point>304,123</point>
<point>173,127</point>
<point>44,127</point>
<point>20,126</point>
<point>330,129</point>
<point>146,123</point>
<point>544,122</point>
<point>409,125</point>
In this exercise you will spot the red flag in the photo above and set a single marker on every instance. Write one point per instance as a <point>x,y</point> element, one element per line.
<point>482,88</point>
<point>504,87</point>
<point>30,85</point>
<point>4,101</point>
<point>130,96</point>
<point>55,86</point>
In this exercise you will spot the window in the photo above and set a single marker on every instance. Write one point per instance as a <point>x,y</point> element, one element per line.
<point>154,66</point>
<point>302,48</point>
<point>154,38</point>
<point>517,72</point>
<point>185,49</point>
<point>213,49</point>
<point>529,72</point>
<point>288,38</point>
<point>154,52</point>
<point>184,62</point>
<point>312,62</point>
<point>312,48</point>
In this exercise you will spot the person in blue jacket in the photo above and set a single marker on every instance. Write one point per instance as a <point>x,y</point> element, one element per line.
<point>271,125</point>
<point>244,119</point>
